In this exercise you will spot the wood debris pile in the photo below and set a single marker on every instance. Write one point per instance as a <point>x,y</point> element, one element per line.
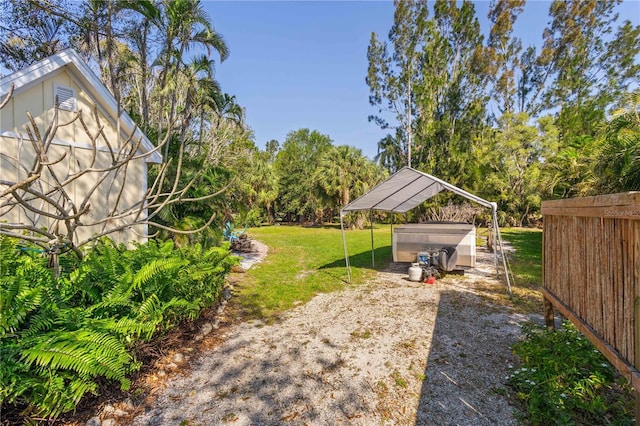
<point>242,244</point>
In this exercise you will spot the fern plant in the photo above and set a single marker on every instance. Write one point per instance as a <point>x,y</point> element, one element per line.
<point>60,337</point>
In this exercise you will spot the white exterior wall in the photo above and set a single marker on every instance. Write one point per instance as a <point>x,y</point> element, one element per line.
<point>17,154</point>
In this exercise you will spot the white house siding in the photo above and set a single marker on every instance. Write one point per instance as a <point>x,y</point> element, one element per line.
<point>17,154</point>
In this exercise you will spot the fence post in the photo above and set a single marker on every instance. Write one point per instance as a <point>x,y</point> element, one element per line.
<point>636,318</point>
<point>547,306</point>
<point>636,314</point>
<point>549,320</point>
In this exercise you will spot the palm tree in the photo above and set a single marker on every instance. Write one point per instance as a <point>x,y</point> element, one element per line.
<point>29,34</point>
<point>618,162</point>
<point>227,108</point>
<point>184,23</point>
<point>390,152</point>
<point>199,93</point>
<point>344,172</point>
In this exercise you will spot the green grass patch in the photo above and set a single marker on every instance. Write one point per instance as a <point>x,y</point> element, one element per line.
<point>564,380</point>
<point>359,334</point>
<point>303,262</point>
<point>526,265</point>
<point>399,381</point>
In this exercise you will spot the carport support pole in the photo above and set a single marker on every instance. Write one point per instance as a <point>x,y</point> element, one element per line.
<point>373,256</point>
<point>498,243</point>
<point>344,245</point>
<point>391,222</point>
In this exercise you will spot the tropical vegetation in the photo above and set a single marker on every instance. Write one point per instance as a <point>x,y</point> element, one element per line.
<point>512,123</point>
<point>560,378</point>
<point>564,380</point>
<point>63,337</point>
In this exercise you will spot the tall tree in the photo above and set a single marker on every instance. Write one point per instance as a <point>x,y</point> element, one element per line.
<point>266,182</point>
<point>29,34</point>
<point>296,163</point>
<point>530,82</point>
<point>589,67</point>
<point>391,155</point>
<point>454,78</point>
<point>184,23</point>
<point>618,161</point>
<point>198,96</point>
<point>344,173</point>
<point>392,76</point>
<point>432,85</point>
<point>512,165</point>
<point>503,51</point>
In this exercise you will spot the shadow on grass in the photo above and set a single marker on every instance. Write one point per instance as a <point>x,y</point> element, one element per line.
<point>381,256</point>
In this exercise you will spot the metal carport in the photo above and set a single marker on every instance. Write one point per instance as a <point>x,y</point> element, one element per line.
<point>404,191</point>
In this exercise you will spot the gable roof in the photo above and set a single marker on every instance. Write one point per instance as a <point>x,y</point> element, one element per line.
<point>28,77</point>
<point>407,189</point>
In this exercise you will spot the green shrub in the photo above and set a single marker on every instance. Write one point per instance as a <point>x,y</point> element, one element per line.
<point>565,380</point>
<point>60,337</point>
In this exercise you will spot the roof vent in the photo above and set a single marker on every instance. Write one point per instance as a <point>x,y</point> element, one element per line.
<point>66,97</point>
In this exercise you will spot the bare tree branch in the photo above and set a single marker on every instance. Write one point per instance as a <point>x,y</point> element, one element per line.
<point>14,186</point>
<point>7,98</point>
<point>72,201</point>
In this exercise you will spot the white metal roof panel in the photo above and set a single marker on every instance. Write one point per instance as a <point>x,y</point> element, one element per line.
<point>405,190</point>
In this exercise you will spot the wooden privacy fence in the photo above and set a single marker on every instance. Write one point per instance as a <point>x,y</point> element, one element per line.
<point>591,269</point>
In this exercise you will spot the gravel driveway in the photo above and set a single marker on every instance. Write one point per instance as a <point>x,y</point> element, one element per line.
<point>391,352</point>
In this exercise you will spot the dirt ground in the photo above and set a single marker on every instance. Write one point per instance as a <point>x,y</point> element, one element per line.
<point>391,352</point>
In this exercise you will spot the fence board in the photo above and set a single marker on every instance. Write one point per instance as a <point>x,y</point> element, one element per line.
<point>591,271</point>
<point>628,295</point>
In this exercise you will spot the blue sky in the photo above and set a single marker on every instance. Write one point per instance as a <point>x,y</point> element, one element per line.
<point>302,64</point>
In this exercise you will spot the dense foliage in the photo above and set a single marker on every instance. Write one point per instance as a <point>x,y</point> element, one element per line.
<point>565,380</point>
<point>60,338</point>
<point>512,123</point>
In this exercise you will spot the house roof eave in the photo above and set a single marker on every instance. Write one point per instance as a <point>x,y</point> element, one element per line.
<point>28,77</point>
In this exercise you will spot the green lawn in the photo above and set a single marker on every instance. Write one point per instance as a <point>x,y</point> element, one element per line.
<point>526,266</point>
<point>527,262</point>
<point>303,262</point>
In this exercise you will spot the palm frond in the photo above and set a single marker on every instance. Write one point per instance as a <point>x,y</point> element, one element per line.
<point>86,352</point>
<point>155,268</point>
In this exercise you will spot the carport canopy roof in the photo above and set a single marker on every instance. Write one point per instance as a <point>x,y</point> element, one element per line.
<point>407,189</point>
